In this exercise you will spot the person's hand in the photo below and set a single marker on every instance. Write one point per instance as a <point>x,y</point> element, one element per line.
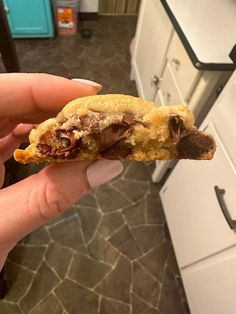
<point>27,99</point>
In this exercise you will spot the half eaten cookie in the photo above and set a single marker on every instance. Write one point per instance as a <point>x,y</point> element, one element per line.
<point>117,126</point>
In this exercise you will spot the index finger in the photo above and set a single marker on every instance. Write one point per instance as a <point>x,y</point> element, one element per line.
<point>31,98</point>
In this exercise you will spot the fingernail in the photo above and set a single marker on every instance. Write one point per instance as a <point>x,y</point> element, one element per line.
<point>103,171</point>
<point>88,82</point>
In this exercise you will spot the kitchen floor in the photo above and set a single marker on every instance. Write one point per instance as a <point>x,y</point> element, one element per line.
<point>111,252</point>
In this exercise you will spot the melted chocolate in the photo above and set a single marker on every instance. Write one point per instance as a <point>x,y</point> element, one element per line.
<point>194,145</point>
<point>90,123</point>
<point>118,151</point>
<point>109,136</point>
<point>176,127</point>
<point>111,139</point>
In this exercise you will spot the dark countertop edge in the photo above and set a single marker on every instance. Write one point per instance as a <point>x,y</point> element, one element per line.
<point>196,62</point>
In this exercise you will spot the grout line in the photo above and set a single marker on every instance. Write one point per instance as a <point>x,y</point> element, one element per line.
<point>108,273</point>
<point>35,306</point>
<point>31,282</point>
<point>48,232</point>
<point>145,210</point>
<point>69,266</point>
<point>144,301</point>
<point>146,253</point>
<point>98,204</point>
<point>81,285</point>
<point>114,232</point>
<point>93,259</point>
<point>95,231</point>
<point>114,300</point>
<point>59,301</point>
<point>81,230</point>
<point>22,312</point>
<point>120,192</point>
<point>52,225</point>
<point>131,281</point>
<point>99,303</point>
<point>9,302</point>
<point>31,245</point>
<point>146,225</point>
<point>78,206</point>
<point>118,210</point>
<point>22,266</point>
<point>133,238</point>
<point>161,283</point>
<point>53,270</point>
<point>145,270</point>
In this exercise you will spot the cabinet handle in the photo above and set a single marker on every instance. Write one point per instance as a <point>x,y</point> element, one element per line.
<point>155,81</point>
<point>6,8</point>
<point>220,197</point>
<point>167,96</point>
<point>176,63</point>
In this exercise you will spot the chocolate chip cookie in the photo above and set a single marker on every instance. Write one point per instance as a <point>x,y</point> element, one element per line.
<point>117,126</point>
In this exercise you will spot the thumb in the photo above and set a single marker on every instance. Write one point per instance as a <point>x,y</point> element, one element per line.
<point>30,203</point>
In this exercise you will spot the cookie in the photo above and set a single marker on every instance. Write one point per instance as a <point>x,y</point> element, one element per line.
<point>117,126</point>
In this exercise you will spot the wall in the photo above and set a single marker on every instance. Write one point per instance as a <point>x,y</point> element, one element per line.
<point>119,6</point>
<point>89,5</point>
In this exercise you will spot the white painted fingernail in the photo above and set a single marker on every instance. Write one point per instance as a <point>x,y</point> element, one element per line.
<point>103,171</point>
<point>87,82</point>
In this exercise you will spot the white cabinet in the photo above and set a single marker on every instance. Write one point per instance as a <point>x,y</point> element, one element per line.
<point>161,66</point>
<point>163,71</point>
<point>199,200</point>
<point>211,284</point>
<point>169,90</point>
<point>151,41</point>
<point>184,72</point>
<point>197,224</point>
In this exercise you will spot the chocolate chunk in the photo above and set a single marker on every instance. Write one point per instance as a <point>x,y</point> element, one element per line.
<point>67,146</point>
<point>129,118</point>
<point>120,151</point>
<point>194,145</point>
<point>112,134</point>
<point>56,153</point>
<point>66,140</point>
<point>110,140</point>
<point>176,127</point>
<point>90,123</point>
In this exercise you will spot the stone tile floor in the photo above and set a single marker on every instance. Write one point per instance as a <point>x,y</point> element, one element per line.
<point>111,252</point>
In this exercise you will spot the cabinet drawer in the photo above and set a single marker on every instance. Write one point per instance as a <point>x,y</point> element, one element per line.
<point>185,73</point>
<point>169,92</point>
<point>211,284</point>
<point>148,58</point>
<point>197,224</point>
<point>223,116</point>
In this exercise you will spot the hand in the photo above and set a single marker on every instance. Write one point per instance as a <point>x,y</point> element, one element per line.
<point>27,99</point>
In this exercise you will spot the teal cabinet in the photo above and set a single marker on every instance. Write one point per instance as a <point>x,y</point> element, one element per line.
<point>29,18</point>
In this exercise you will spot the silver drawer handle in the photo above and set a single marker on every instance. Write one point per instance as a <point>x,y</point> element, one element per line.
<point>167,96</point>
<point>7,10</point>
<point>155,81</point>
<point>176,62</point>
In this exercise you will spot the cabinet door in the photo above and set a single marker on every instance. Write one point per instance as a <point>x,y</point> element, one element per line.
<point>168,93</point>
<point>151,41</point>
<point>184,72</point>
<point>211,284</point>
<point>29,18</point>
<point>197,224</point>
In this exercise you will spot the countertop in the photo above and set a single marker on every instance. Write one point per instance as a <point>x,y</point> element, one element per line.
<point>207,29</point>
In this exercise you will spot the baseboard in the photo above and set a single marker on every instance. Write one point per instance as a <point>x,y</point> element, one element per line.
<point>83,16</point>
